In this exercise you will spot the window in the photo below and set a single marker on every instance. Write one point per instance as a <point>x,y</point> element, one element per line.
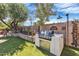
<point>53,28</point>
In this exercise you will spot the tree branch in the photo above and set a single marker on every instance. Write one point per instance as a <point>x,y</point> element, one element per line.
<point>5,23</point>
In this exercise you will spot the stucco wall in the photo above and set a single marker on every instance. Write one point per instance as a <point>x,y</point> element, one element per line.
<point>69,40</point>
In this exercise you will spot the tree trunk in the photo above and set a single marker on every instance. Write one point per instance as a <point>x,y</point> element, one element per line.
<point>39,29</point>
<point>5,23</point>
<point>14,25</point>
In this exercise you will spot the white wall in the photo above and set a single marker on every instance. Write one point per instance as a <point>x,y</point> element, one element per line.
<point>57,44</point>
<point>37,40</point>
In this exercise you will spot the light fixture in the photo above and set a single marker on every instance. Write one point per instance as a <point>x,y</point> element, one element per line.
<point>59,17</point>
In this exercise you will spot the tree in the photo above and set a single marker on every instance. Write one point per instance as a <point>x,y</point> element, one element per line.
<point>3,13</point>
<point>2,26</point>
<point>18,13</point>
<point>43,11</point>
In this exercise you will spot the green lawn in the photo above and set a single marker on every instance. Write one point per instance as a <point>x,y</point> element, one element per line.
<point>19,47</point>
<point>70,51</point>
<point>14,46</point>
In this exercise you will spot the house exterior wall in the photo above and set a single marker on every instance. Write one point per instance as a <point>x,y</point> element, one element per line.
<point>59,29</point>
<point>78,35</point>
<point>69,40</point>
<point>47,27</point>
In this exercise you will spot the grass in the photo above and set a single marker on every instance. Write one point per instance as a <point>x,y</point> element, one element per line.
<point>70,51</point>
<point>15,46</point>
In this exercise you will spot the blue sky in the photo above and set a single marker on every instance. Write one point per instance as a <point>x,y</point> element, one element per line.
<point>60,9</point>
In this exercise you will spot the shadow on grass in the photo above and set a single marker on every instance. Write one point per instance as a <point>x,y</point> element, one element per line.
<point>11,46</point>
<point>46,52</point>
<point>15,44</point>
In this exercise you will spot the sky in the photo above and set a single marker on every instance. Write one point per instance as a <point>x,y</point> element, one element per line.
<point>60,8</point>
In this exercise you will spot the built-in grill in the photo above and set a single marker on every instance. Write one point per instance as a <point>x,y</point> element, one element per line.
<point>46,34</point>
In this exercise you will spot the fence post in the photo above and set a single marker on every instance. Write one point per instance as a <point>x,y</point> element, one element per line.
<point>37,40</point>
<point>56,45</point>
